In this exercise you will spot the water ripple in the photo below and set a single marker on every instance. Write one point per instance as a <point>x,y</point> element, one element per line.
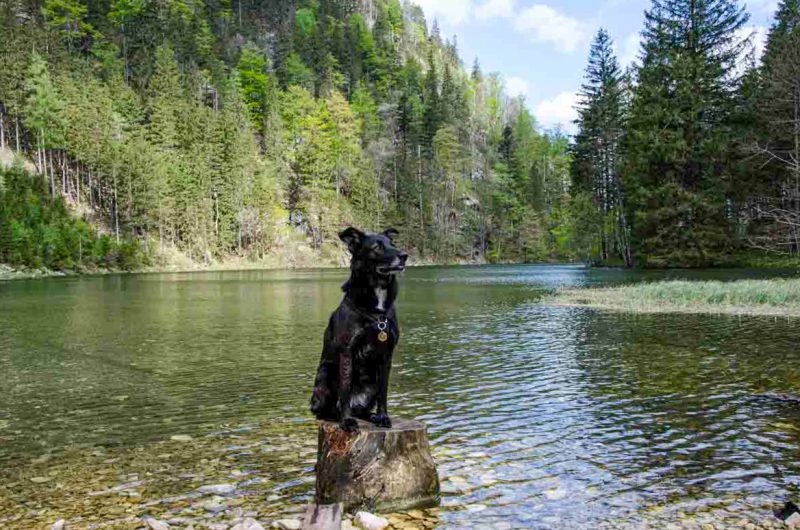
<point>539,417</point>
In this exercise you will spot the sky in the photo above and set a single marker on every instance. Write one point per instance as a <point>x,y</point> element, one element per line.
<point>540,47</point>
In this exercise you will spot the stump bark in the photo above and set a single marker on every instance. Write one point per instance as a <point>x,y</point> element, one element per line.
<point>376,469</point>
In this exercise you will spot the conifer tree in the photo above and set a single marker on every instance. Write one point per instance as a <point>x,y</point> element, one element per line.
<point>165,96</point>
<point>43,115</point>
<point>432,98</point>
<point>677,156</point>
<point>67,18</point>
<point>596,154</point>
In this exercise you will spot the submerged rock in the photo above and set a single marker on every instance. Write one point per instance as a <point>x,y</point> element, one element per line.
<point>215,505</point>
<point>180,438</point>
<point>287,524</point>
<point>155,524</point>
<point>217,489</point>
<point>368,521</point>
<point>61,524</point>
<point>248,524</point>
<point>555,494</point>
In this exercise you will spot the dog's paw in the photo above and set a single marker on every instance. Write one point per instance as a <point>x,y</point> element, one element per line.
<point>349,425</point>
<point>381,420</point>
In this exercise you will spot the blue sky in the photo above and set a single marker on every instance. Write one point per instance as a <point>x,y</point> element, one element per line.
<point>540,47</point>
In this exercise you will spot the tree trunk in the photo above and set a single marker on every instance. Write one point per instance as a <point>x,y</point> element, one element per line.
<point>377,469</point>
<point>48,160</point>
<point>421,211</point>
<point>116,208</point>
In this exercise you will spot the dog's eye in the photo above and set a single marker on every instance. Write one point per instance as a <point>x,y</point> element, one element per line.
<point>377,247</point>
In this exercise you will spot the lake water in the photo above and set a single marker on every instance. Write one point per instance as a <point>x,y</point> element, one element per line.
<point>122,395</point>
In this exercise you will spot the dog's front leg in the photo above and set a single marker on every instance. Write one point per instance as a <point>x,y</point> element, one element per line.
<point>381,418</point>
<point>346,420</point>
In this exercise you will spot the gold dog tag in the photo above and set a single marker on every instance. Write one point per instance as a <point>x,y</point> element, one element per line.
<point>382,336</point>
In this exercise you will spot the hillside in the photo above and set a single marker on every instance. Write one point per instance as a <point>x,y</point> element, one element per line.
<point>228,129</point>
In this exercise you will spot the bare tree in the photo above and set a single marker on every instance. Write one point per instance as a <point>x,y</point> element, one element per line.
<point>779,147</point>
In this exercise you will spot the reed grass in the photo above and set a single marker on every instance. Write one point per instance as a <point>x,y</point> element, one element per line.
<point>778,297</point>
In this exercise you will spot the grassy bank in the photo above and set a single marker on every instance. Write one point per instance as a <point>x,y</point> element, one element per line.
<point>778,297</point>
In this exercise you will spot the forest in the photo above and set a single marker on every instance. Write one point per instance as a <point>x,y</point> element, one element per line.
<point>134,130</point>
<point>692,157</point>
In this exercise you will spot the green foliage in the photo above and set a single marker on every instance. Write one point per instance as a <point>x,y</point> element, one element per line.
<point>42,105</point>
<point>255,84</point>
<point>36,231</point>
<point>67,19</point>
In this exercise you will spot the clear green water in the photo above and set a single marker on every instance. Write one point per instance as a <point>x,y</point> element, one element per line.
<point>538,416</point>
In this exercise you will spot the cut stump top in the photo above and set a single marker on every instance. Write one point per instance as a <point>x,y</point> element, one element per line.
<point>365,426</point>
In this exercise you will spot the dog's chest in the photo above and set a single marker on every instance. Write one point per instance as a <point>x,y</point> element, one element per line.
<point>371,350</point>
<point>381,295</point>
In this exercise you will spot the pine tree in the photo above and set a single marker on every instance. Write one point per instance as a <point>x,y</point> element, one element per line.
<point>433,104</point>
<point>165,97</point>
<point>595,166</point>
<point>787,19</point>
<point>43,115</point>
<point>454,105</point>
<point>677,147</point>
<point>68,19</point>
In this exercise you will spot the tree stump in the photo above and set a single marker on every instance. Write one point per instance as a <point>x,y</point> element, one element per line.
<point>376,469</point>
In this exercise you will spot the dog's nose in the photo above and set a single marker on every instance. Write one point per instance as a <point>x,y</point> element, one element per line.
<point>403,256</point>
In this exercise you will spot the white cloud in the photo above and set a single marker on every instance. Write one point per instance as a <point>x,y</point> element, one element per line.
<point>628,50</point>
<point>763,6</point>
<point>455,12</point>
<point>758,36</point>
<point>545,24</point>
<point>495,9</point>
<point>516,86</point>
<point>559,110</point>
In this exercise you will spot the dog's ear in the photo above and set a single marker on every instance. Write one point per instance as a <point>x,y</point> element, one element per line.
<point>352,237</point>
<point>391,233</point>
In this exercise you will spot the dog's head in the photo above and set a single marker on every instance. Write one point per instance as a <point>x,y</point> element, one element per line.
<point>375,253</point>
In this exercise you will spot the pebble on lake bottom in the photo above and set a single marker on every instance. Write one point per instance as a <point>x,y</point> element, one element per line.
<point>217,489</point>
<point>155,524</point>
<point>368,521</point>
<point>287,524</point>
<point>248,524</point>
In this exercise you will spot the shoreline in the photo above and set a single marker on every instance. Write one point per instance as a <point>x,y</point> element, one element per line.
<point>8,273</point>
<point>279,263</point>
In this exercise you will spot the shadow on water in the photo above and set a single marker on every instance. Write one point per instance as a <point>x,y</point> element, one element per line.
<point>146,387</point>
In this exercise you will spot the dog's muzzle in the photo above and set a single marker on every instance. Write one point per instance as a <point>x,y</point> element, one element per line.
<point>397,266</point>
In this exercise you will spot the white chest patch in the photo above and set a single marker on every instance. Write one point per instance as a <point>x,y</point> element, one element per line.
<point>381,294</point>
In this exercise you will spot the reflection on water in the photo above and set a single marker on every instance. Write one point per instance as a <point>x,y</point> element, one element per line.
<point>538,416</point>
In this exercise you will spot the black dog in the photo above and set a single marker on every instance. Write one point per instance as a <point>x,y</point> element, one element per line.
<point>353,375</point>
